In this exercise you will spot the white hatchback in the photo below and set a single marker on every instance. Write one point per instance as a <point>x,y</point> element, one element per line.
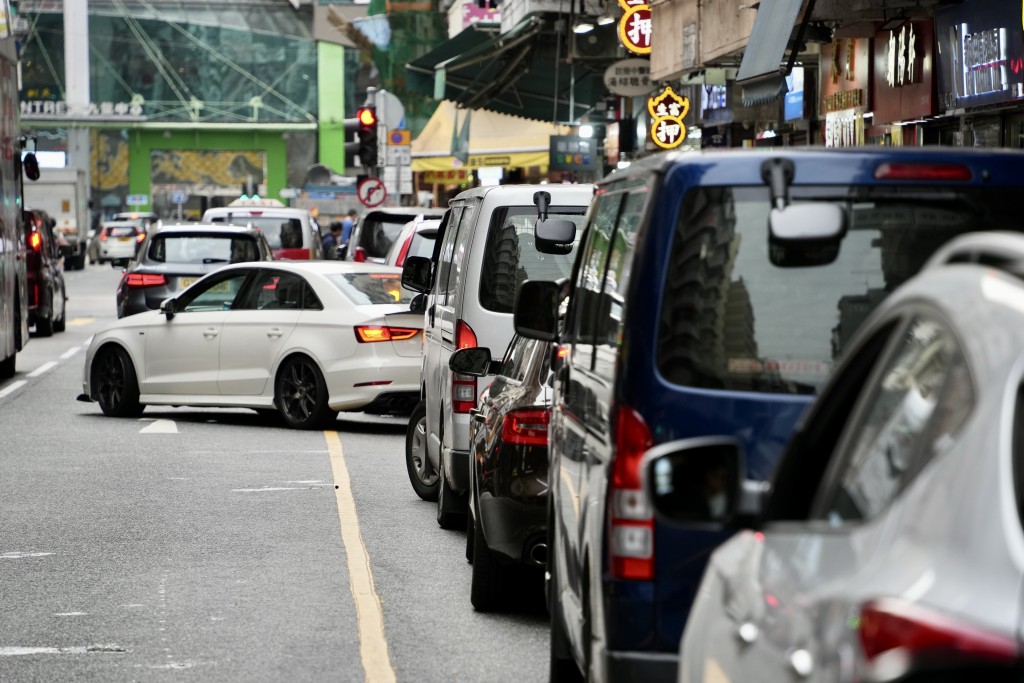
<point>304,339</point>
<point>119,241</point>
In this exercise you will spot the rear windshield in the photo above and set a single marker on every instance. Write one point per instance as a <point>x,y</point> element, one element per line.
<point>372,288</point>
<point>202,249</point>
<point>281,233</point>
<point>732,320</point>
<point>378,231</point>
<point>422,245</point>
<point>511,258</point>
<point>121,231</point>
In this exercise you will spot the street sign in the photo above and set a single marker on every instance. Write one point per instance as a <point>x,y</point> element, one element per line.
<point>179,197</point>
<point>404,179</point>
<point>398,155</point>
<point>137,200</point>
<point>371,192</point>
<point>399,136</point>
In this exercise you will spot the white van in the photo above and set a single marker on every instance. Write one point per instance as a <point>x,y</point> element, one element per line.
<point>292,233</point>
<point>484,251</point>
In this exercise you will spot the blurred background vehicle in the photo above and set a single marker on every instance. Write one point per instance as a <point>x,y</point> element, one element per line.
<point>175,256</point>
<point>890,538</point>
<point>119,242</point>
<point>44,266</point>
<point>303,338</point>
<point>377,229</point>
<point>292,233</point>
<point>416,239</point>
<point>62,194</point>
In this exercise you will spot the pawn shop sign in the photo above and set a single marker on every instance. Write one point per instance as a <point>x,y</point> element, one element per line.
<point>667,111</point>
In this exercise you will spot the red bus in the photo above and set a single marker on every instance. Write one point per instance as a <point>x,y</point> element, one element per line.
<point>13,277</point>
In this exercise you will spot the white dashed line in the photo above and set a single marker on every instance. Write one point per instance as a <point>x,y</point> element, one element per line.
<point>160,427</point>
<point>12,387</point>
<point>45,367</point>
<point>70,352</point>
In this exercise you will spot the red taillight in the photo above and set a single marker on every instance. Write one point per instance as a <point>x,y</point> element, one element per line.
<point>103,236</point>
<point>359,255</point>
<point>141,236</point>
<point>937,172</point>
<point>35,241</point>
<point>404,250</point>
<point>528,427</point>
<point>146,280</point>
<point>463,393</point>
<point>630,519</point>
<point>465,337</point>
<point>379,333</point>
<point>887,625</point>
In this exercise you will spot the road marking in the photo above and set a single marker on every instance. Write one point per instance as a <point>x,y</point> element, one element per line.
<point>373,645</point>
<point>269,488</point>
<point>12,387</point>
<point>43,368</point>
<point>78,322</point>
<point>21,556</point>
<point>159,427</point>
<point>71,614</point>
<point>73,650</point>
<point>70,352</point>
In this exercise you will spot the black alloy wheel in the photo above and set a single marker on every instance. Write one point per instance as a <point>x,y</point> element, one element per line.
<point>301,395</point>
<point>422,476</point>
<point>115,383</point>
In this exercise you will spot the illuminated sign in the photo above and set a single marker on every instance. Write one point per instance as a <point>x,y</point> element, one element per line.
<point>58,109</point>
<point>901,57</point>
<point>635,26</point>
<point>667,111</point>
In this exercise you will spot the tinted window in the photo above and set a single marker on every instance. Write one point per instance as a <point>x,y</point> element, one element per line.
<point>276,290</point>
<point>728,315</point>
<point>378,231</point>
<point>214,294</point>
<point>169,248</point>
<point>121,231</point>
<point>372,288</point>
<point>281,233</point>
<point>517,358</point>
<point>444,259</point>
<point>510,257</point>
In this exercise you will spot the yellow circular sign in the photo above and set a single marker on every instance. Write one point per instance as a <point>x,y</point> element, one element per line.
<point>635,29</point>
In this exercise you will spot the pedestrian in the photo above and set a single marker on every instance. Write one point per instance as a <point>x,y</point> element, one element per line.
<point>347,224</point>
<point>332,240</point>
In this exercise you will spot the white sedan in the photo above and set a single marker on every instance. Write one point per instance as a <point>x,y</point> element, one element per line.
<point>307,339</point>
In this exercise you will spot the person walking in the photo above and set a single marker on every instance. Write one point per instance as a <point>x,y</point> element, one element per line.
<point>332,240</point>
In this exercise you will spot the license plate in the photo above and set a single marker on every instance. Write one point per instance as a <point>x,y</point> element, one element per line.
<point>186,282</point>
<point>123,239</point>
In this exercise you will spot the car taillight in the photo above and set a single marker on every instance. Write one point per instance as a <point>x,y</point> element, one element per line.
<point>35,241</point>
<point>141,236</point>
<point>379,333</point>
<point>630,519</point>
<point>888,625</point>
<point>465,337</point>
<point>359,255</point>
<point>145,280</point>
<point>103,236</point>
<point>923,171</point>
<point>404,250</point>
<point>527,427</point>
<point>463,392</point>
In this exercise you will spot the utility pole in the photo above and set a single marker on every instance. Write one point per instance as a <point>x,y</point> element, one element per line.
<point>77,96</point>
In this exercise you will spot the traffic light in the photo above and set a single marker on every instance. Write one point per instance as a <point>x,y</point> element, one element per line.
<point>367,132</point>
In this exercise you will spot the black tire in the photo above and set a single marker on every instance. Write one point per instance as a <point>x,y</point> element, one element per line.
<point>491,584</point>
<point>422,476</point>
<point>60,324</point>
<point>451,511</point>
<point>115,383</point>
<point>301,395</point>
<point>7,366</point>
<point>44,326</point>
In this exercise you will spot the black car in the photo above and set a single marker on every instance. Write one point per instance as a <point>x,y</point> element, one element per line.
<point>507,531</point>
<point>173,257</point>
<point>44,266</point>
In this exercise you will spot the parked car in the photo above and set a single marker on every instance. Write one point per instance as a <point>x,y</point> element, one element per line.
<point>712,293</point>
<point>506,537</point>
<point>292,233</point>
<point>147,220</point>
<point>485,249</point>
<point>377,230</point>
<point>888,545</point>
<point>44,266</point>
<point>416,239</point>
<point>173,257</point>
<point>304,339</point>
<point>119,241</point>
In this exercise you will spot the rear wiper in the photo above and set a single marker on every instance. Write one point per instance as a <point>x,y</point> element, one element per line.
<point>214,260</point>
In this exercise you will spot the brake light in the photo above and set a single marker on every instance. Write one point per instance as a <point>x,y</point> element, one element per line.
<point>527,427</point>
<point>378,333</point>
<point>146,280</point>
<point>465,337</point>
<point>888,624</point>
<point>463,392</point>
<point>631,520</point>
<point>104,235</point>
<point>404,250</point>
<point>35,241</point>
<point>141,236</point>
<point>911,171</point>
<point>359,255</point>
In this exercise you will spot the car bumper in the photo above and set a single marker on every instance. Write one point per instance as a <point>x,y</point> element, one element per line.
<point>651,667</point>
<point>514,526</point>
<point>355,383</point>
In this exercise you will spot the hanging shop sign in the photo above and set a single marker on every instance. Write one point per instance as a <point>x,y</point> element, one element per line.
<point>628,77</point>
<point>457,175</point>
<point>667,111</point>
<point>572,153</point>
<point>635,26</point>
<point>843,75</point>
<point>903,74</point>
<point>980,53</point>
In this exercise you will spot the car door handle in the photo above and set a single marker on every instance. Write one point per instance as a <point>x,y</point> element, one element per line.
<point>274,332</point>
<point>210,332</point>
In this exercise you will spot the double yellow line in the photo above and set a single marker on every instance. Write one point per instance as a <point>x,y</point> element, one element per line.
<point>373,645</point>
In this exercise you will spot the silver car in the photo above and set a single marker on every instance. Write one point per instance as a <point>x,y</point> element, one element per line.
<point>890,544</point>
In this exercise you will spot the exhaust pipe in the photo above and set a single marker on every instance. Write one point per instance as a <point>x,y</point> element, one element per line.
<point>538,554</point>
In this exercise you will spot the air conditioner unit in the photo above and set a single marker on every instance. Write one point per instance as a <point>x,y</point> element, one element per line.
<point>601,44</point>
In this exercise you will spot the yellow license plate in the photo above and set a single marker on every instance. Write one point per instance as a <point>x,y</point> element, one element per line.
<point>186,282</point>
<point>123,239</point>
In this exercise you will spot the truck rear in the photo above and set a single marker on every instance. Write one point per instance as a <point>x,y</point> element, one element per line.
<point>61,192</point>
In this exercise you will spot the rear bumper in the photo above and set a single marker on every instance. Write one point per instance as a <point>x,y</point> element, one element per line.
<point>650,667</point>
<point>514,526</point>
<point>457,472</point>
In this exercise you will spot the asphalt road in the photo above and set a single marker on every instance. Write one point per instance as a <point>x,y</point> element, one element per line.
<point>206,545</point>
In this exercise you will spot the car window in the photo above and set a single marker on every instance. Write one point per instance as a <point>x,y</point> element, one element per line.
<point>372,288</point>
<point>172,248</point>
<point>213,294</point>
<point>511,257</point>
<point>275,290</point>
<point>422,245</point>
<point>920,399</point>
<point>516,363</point>
<point>121,231</point>
<point>281,233</point>
<point>444,258</point>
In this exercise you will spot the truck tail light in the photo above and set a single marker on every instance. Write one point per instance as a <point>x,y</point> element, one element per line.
<point>630,517</point>
<point>465,337</point>
<point>145,280</point>
<point>526,427</point>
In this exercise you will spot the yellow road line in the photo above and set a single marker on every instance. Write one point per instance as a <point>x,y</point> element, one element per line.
<point>373,645</point>
<point>75,322</point>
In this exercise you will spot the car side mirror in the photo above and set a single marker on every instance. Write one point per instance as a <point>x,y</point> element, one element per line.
<point>475,361</point>
<point>169,308</point>
<point>700,481</point>
<point>801,235</point>
<point>416,274</point>
<point>554,235</point>
<point>535,314</point>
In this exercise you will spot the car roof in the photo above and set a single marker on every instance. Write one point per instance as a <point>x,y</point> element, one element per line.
<point>199,228</point>
<point>414,211</point>
<point>120,224</point>
<point>325,267</point>
<point>245,210</point>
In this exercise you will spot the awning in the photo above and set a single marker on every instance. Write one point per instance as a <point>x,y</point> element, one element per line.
<point>761,73</point>
<point>494,140</point>
<point>521,73</point>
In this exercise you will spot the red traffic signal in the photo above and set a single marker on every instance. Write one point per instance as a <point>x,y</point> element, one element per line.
<point>367,117</point>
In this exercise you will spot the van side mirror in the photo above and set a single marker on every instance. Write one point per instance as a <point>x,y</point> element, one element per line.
<point>475,361</point>
<point>535,314</point>
<point>554,235</point>
<point>416,274</point>
<point>699,481</point>
<point>168,307</point>
<point>801,235</point>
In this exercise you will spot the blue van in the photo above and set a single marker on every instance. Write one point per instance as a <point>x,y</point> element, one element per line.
<point>711,295</point>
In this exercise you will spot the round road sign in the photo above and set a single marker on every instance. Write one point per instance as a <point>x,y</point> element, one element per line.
<point>371,192</point>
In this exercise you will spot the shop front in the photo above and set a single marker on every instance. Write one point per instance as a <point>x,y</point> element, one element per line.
<point>903,84</point>
<point>844,86</point>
